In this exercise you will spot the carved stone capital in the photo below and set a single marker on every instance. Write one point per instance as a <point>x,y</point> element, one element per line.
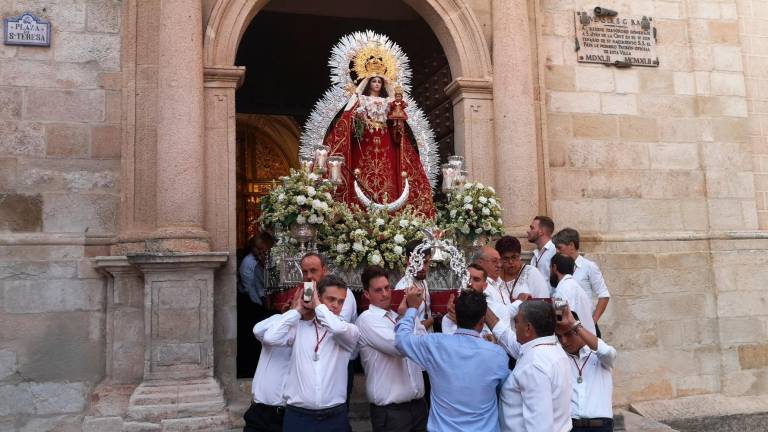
<point>469,88</point>
<point>223,76</point>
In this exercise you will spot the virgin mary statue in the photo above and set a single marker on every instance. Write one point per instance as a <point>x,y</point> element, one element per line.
<point>374,129</point>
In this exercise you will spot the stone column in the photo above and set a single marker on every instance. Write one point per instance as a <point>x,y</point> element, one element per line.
<point>473,126</point>
<point>180,151</point>
<point>517,161</point>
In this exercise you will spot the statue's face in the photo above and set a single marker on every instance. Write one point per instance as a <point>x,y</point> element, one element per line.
<point>376,84</point>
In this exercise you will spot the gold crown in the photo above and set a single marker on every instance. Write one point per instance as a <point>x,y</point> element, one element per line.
<point>375,60</point>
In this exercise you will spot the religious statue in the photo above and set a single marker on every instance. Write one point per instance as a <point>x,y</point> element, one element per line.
<point>372,131</point>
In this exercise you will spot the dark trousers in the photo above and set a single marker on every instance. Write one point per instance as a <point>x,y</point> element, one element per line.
<point>600,425</point>
<point>263,418</point>
<point>325,420</point>
<point>403,417</point>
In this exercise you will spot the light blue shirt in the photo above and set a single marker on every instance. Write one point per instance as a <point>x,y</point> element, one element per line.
<point>252,279</point>
<point>465,372</point>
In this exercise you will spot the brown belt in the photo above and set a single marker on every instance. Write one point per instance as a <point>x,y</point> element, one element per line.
<point>591,423</point>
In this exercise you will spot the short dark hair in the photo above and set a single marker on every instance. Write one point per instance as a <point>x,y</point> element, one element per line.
<point>370,273</point>
<point>546,222</point>
<point>262,236</point>
<point>564,264</point>
<point>314,254</point>
<point>508,244</point>
<point>330,281</point>
<point>470,309</point>
<point>478,267</point>
<point>540,315</point>
<point>565,236</point>
<point>411,246</point>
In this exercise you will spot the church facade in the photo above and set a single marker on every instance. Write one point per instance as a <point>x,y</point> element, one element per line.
<point>121,190</point>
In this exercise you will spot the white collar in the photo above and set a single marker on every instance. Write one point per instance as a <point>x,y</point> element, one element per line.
<point>377,310</point>
<point>565,278</point>
<point>579,261</point>
<point>544,340</point>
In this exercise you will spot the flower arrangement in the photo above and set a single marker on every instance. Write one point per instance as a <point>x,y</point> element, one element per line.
<point>471,212</point>
<point>304,198</point>
<point>374,237</point>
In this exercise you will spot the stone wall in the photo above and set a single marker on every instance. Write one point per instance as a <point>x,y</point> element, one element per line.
<point>654,166</point>
<point>60,141</point>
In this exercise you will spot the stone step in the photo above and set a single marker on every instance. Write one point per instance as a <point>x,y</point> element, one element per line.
<point>156,413</point>
<point>140,427</point>
<point>214,423</point>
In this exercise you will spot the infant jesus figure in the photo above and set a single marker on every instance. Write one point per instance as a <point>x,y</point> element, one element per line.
<point>397,114</point>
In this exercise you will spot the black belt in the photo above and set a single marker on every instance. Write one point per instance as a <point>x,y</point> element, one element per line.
<point>591,423</point>
<point>279,410</point>
<point>324,412</point>
<point>401,405</point>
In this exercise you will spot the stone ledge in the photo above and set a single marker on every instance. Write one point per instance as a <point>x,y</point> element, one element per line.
<point>716,411</point>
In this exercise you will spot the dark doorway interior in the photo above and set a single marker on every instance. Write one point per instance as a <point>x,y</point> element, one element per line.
<point>285,51</point>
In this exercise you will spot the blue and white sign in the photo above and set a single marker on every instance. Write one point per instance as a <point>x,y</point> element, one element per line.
<point>27,29</point>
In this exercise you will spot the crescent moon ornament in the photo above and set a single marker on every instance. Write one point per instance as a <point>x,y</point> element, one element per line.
<point>394,206</point>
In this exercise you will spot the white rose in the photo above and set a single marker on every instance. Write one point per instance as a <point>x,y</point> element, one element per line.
<point>325,206</point>
<point>300,200</point>
<point>359,232</point>
<point>483,199</point>
<point>399,239</point>
<point>453,213</point>
<point>492,201</point>
<point>468,207</point>
<point>465,229</point>
<point>311,191</point>
<point>375,259</point>
<point>328,196</point>
<point>317,204</point>
<point>358,246</point>
<point>403,223</point>
<point>281,197</point>
<point>301,219</point>
<point>313,176</point>
<point>342,247</point>
<point>379,222</point>
<point>485,211</point>
<point>467,199</point>
<point>478,230</point>
<point>397,250</point>
<point>500,221</point>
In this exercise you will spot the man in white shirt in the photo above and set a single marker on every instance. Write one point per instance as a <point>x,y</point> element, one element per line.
<point>478,282</point>
<point>420,280</point>
<point>393,383</point>
<point>268,406</point>
<point>518,281</point>
<point>568,289</point>
<point>488,258</point>
<point>540,234</point>
<point>591,362</point>
<point>586,272</point>
<point>316,386</point>
<point>537,394</point>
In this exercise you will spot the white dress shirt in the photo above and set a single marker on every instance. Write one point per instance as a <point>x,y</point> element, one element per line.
<point>593,396</point>
<point>542,258</point>
<point>349,314</point>
<point>589,276</point>
<point>424,310</point>
<point>570,290</point>
<point>500,310</point>
<point>315,382</point>
<point>537,394</point>
<point>529,282</point>
<point>389,376</point>
<point>274,361</point>
<point>497,291</point>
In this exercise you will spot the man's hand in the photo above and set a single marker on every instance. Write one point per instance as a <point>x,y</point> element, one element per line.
<point>413,297</point>
<point>297,303</point>
<point>427,323</point>
<point>451,308</point>
<point>568,318</point>
<point>315,302</point>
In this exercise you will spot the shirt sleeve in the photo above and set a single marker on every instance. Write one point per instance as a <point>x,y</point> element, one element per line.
<point>409,344</point>
<point>261,327</point>
<point>349,308</point>
<point>378,335</point>
<point>283,332</point>
<point>606,354</point>
<point>344,333</point>
<point>536,392</point>
<point>597,282</point>
<point>507,338</point>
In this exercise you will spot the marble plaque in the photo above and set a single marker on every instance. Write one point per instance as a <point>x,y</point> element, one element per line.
<point>27,29</point>
<point>618,40</point>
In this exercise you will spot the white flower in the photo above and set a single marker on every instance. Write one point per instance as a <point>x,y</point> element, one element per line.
<point>281,197</point>
<point>465,229</point>
<point>453,213</point>
<point>492,201</point>
<point>397,249</point>
<point>415,222</point>
<point>375,259</point>
<point>342,247</point>
<point>491,189</point>
<point>313,176</point>
<point>403,223</point>
<point>357,246</point>
<point>485,211</point>
<point>301,219</point>
<point>468,207</point>
<point>379,222</point>
<point>500,221</point>
<point>311,191</point>
<point>399,239</point>
<point>317,204</point>
<point>478,230</point>
<point>467,199</point>
<point>300,200</point>
<point>358,232</point>
<point>479,185</point>
<point>328,196</point>
<point>483,199</point>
